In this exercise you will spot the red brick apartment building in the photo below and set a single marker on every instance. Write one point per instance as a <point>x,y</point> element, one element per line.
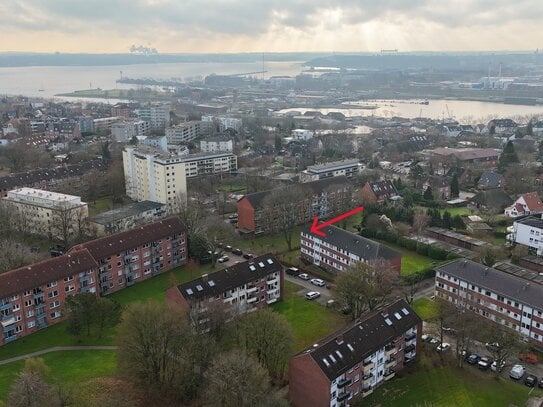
<point>504,298</point>
<point>339,249</point>
<point>243,287</point>
<point>325,198</point>
<point>32,297</point>
<point>352,362</point>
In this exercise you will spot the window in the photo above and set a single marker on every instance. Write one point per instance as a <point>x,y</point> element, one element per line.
<point>52,294</point>
<point>55,304</point>
<point>29,313</point>
<point>31,324</point>
<point>55,314</point>
<point>52,284</point>
<point>28,303</point>
<point>16,307</point>
<point>69,288</point>
<point>27,293</point>
<point>70,278</point>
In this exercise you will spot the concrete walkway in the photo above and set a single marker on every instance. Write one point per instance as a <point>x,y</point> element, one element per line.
<point>55,349</point>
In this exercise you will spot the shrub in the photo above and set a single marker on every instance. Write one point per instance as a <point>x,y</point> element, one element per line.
<point>422,248</point>
<point>436,253</point>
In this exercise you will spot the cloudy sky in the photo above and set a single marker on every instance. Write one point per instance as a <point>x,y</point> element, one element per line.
<point>270,25</point>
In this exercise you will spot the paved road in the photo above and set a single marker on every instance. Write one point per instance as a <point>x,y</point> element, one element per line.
<point>55,349</point>
<point>307,286</point>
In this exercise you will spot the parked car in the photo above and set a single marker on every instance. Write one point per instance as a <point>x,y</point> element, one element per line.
<point>303,276</point>
<point>434,341</point>
<point>443,347</point>
<point>473,359</point>
<point>311,295</point>
<point>517,372</point>
<point>237,252</point>
<point>494,366</point>
<point>425,337</point>
<point>530,380</point>
<point>484,363</point>
<point>228,248</point>
<point>318,282</point>
<point>223,259</point>
<point>234,216</point>
<point>293,271</point>
<point>540,383</point>
<point>248,256</point>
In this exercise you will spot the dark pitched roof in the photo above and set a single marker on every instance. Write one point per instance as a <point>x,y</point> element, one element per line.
<point>230,277</point>
<point>359,245</point>
<point>317,187</point>
<point>490,179</point>
<point>364,337</point>
<point>34,275</point>
<point>497,281</point>
<point>119,242</point>
<point>383,188</point>
<point>493,198</point>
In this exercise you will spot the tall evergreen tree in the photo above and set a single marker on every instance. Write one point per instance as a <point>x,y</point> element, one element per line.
<point>428,195</point>
<point>530,129</point>
<point>455,189</point>
<point>507,157</point>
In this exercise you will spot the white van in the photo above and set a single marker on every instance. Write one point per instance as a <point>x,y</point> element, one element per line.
<point>517,372</point>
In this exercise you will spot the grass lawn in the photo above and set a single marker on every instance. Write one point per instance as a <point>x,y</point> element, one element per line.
<point>457,211</point>
<point>271,243</point>
<point>432,384</point>
<point>67,367</point>
<point>310,321</point>
<point>100,205</point>
<point>412,262</point>
<point>425,308</point>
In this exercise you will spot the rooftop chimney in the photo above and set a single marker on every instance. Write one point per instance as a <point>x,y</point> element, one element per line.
<point>204,277</point>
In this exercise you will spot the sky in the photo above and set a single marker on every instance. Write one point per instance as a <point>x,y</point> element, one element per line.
<point>218,26</point>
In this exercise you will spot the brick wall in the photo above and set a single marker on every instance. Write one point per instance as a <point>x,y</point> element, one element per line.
<point>308,386</point>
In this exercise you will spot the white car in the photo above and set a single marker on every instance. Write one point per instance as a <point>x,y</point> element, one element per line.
<point>223,259</point>
<point>318,282</point>
<point>517,372</point>
<point>303,276</point>
<point>494,366</point>
<point>311,295</point>
<point>443,347</point>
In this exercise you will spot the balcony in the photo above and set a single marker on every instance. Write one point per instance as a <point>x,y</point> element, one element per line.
<point>104,284</point>
<point>390,352</point>
<point>5,306</point>
<point>367,378</point>
<point>368,365</point>
<point>11,338</point>
<point>343,382</point>
<point>390,363</point>
<point>411,336</point>
<point>39,305</point>
<point>251,300</point>
<point>366,392</point>
<point>389,374</point>
<point>83,279</point>
<point>38,295</point>
<point>409,348</point>
<point>343,396</point>
<point>251,290</point>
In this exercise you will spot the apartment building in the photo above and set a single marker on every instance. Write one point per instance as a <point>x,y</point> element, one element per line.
<point>157,115</point>
<point>138,254</point>
<point>152,175</point>
<point>188,131</point>
<point>127,217</point>
<point>302,134</point>
<point>32,297</point>
<point>242,287</point>
<point>340,249</point>
<point>216,144</point>
<point>505,299</point>
<point>209,163</point>
<point>223,122</point>
<point>46,213</point>
<point>105,124</point>
<point>348,168</point>
<point>325,198</point>
<point>354,361</point>
<point>124,131</point>
<point>529,232</point>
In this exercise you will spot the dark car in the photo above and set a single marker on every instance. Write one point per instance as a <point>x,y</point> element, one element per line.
<point>540,384</point>
<point>473,359</point>
<point>293,271</point>
<point>237,252</point>
<point>248,256</point>
<point>530,380</point>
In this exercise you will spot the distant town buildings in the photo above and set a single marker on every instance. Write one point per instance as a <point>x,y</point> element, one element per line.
<point>216,144</point>
<point>379,191</point>
<point>340,249</point>
<point>354,361</point>
<point>124,131</point>
<point>156,114</point>
<point>302,134</point>
<point>46,213</point>
<point>33,297</point>
<point>501,126</point>
<point>505,299</point>
<point>188,131</point>
<point>127,217</point>
<point>210,163</point>
<point>239,288</point>
<point>223,123</point>
<point>348,168</point>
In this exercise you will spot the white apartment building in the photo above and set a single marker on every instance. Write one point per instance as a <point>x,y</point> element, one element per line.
<point>187,131</point>
<point>209,163</point>
<point>506,299</point>
<point>216,144</point>
<point>349,168</point>
<point>152,175</point>
<point>158,115</point>
<point>302,134</point>
<point>104,123</point>
<point>224,122</point>
<point>46,213</point>
<point>529,232</point>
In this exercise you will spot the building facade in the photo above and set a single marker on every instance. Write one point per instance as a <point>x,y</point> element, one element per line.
<point>209,163</point>
<point>223,122</point>
<point>151,175</point>
<point>526,204</point>
<point>46,213</point>
<point>216,144</point>
<point>347,168</point>
<point>157,115</point>
<point>379,191</point>
<point>302,134</point>
<point>188,131</point>
<point>529,232</point>
<point>241,288</point>
<point>127,217</point>
<point>352,362</point>
<point>505,299</point>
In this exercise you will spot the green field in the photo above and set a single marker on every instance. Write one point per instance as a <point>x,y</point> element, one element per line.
<point>100,205</point>
<point>425,308</point>
<point>412,262</point>
<point>457,211</point>
<point>310,321</point>
<point>67,367</point>
<point>433,384</point>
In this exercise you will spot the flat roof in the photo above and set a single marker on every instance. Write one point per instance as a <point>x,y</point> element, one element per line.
<point>520,272</point>
<point>332,165</point>
<point>132,209</point>
<point>458,236</point>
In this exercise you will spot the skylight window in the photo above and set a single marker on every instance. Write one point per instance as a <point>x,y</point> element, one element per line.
<point>350,347</point>
<point>252,268</point>
<point>270,261</point>
<point>398,316</point>
<point>388,322</point>
<point>339,354</point>
<point>332,358</point>
<point>261,264</point>
<point>405,311</point>
<point>211,283</point>
<point>325,362</point>
<point>199,287</point>
<point>189,291</point>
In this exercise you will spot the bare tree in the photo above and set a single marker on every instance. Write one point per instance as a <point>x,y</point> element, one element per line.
<point>489,255</point>
<point>365,286</point>
<point>420,222</point>
<point>284,209</point>
<point>30,390</point>
<point>502,344</point>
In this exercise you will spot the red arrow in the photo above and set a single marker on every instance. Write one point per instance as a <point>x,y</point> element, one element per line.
<point>316,229</point>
